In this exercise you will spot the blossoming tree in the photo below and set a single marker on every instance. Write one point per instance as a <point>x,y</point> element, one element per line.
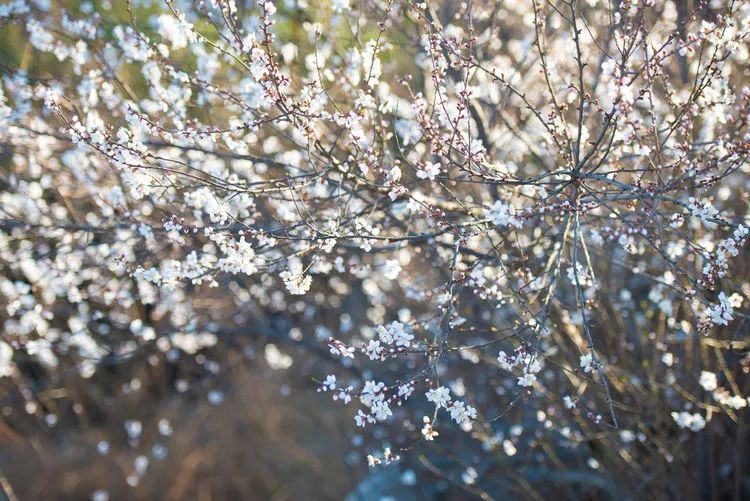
<point>506,229</point>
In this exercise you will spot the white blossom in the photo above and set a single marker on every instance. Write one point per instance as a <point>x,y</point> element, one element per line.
<point>461,412</point>
<point>708,380</point>
<point>587,362</point>
<point>440,396</point>
<point>501,214</point>
<point>694,422</point>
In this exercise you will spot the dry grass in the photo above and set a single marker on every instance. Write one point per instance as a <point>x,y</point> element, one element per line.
<point>258,444</point>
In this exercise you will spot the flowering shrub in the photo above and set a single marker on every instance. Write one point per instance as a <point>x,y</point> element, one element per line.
<point>519,227</point>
